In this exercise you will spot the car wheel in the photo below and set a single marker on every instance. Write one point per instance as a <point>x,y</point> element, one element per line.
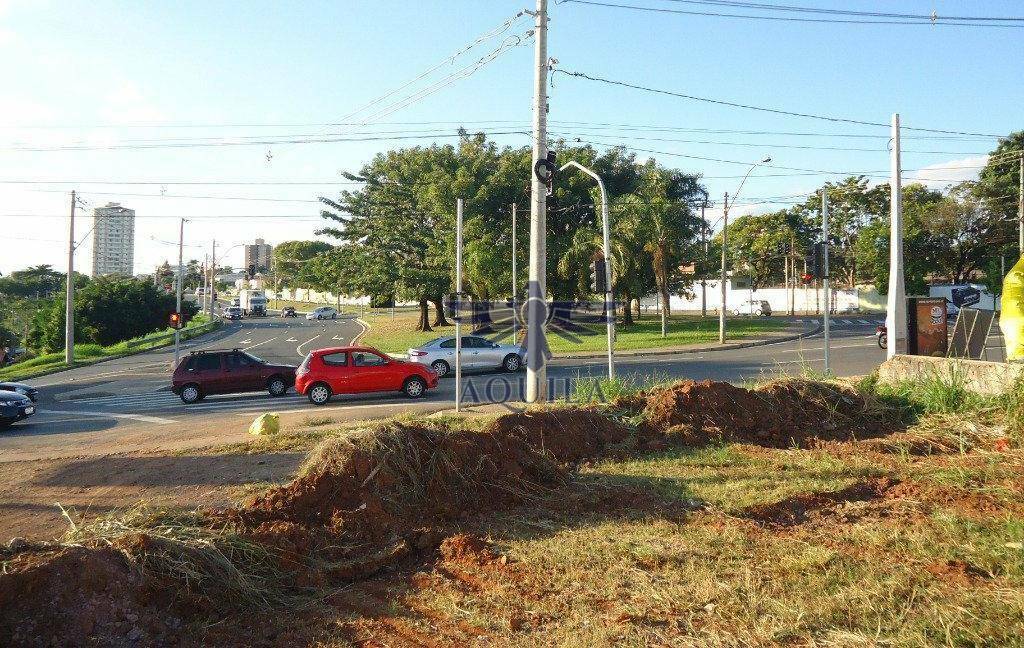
<point>319,317</point>
<point>319,394</point>
<point>191,394</point>
<point>334,316</point>
<point>512,363</point>
<point>883,341</point>
<point>277,386</point>
<point>440,367</point>
<point>414,387</point>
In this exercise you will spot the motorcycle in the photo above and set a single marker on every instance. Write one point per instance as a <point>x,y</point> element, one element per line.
<point>882,335</point>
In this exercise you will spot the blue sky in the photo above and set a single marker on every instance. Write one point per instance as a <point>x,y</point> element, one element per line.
<point>104,72</point>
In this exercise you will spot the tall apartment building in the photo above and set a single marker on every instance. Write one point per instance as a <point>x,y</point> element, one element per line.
<point>113,240</point>
<point>258,255</point>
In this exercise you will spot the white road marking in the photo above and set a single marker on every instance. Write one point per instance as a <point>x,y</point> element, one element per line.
<point>298,349</point>
<point>291,339</point>
<point>366,327</point>
<point>352,405</point>
<point>245,341</point>
<point>258,344</point>
<point>131,417</point>
<point>337,337</point>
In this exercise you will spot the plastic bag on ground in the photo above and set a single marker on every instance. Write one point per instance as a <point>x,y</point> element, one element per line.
<point>265,424</point>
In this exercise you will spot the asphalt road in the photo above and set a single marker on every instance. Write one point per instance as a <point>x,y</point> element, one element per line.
<point>126,404</point>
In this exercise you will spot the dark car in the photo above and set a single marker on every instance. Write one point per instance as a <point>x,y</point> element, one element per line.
<point>203,373</point>
<point>20,388</point>
<point>233,313</point>
<point>288,311</point>
<point>13,408</point>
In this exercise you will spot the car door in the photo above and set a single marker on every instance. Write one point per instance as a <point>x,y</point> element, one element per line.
<point>486,354</point>
<point>241,373</point>
<point>371,373</point>
<point>337,369</point>
<point>446,352</point>
<point>206,371</point>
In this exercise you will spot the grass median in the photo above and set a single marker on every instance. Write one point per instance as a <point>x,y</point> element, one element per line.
<point>86,354</point>
<point>395,334</point>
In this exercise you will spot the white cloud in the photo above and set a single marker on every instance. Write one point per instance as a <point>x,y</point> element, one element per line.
<point>943,174</point>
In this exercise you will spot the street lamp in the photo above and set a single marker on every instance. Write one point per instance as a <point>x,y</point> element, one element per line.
<point>725,235</point>
<point>609,304</point>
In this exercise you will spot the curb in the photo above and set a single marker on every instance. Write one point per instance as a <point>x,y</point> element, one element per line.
<point>724,347</point>
<point>79,365</point>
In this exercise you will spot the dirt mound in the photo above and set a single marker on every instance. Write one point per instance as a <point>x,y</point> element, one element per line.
<point>76,596</point>
<point>809,507</point>
<point>398,477</point>
<point>778,415</point>
<point>571,435</point>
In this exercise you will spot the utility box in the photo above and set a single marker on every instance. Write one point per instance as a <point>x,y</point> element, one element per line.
<point>927,331</point>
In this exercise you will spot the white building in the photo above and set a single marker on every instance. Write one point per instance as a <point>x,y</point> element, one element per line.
<point>258,255</point>
<point>113,240</point>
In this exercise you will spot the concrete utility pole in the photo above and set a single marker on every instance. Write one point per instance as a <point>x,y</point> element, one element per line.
<point>896,305</point>
<point>824,270</point>
<point>515,300</point>
<point>1020,206</point>
<point>703,280</point>
<point>536,371</point>
<point>792,276</point>
<point>213,278</point>
<point>725,243</point>
<point>177,332</point>
<point>458,305</point>
<point>69,300</point>
<point>609,295</point>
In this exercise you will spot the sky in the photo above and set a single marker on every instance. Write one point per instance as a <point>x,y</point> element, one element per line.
<point>112,99</point>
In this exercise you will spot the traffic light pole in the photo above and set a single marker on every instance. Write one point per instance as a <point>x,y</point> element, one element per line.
<point>896,304</point>
<point>824,266</point>
<point>515,301</point>
<point>458,305</point>
<point>177,331</point>
<point>69,299</point>
<point>609,295</point>
<point>725,243</point>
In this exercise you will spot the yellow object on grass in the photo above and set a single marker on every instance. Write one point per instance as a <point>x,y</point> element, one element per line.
<point>1011,318</point>
<point>265,424</point>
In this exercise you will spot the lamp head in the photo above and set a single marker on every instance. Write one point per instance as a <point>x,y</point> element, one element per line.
<point>766,160</point>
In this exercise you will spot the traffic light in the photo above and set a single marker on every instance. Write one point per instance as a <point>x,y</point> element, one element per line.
<point>252,270</point>
<point>597,277</point>
<point>176,322</point>
<point>815,262</point>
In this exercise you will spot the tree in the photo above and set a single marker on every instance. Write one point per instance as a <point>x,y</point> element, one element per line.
<point>961,231</point>
<point>107,310</point>
<point>291,260</point>
<point>36,281</point>
<point>999,182</point>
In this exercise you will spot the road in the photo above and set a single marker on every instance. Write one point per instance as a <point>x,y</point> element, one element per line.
<point>126,404</point>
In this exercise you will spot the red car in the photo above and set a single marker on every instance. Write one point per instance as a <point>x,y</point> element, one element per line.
<point>357,370</point>
<point>202,373</point>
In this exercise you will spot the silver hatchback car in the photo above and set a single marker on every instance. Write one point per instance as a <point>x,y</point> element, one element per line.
<point>477,353</point>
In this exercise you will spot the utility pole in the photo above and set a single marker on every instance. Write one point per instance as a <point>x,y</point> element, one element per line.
<point>703,280</point>
<point>177,332</point>
<point>206,279</point>
<point>515,288</point>
<point>536,371</point>
<point>824,269</point>
<point>896,306</point>
<point>213,278</point>
<point>725,242</point>
<point>458,305</point>
<point>1020,206</point>
<point>792,277</point>
<point>69,299</point>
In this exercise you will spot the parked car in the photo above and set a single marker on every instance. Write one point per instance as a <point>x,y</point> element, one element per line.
<point>288,311</point>
<point>13,408</point>
<point>356,370</point>
<point>477,353</point>
<point>753,307</point>
<point>233,313</point>
<point>203,373</point>
<point>882,336</point>
<point>20,388</point>
<point>322,312</point>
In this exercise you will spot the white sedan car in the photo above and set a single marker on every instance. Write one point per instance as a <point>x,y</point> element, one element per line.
<point>321,313</point>
<point>477,353</point>
<point>758,307</point>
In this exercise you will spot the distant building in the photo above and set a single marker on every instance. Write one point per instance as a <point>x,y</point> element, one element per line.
<point>113,240</point>
<point>258,255</point>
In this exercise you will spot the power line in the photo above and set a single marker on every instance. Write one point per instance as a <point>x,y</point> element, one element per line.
<point>775,111</point>
<point>841,12</point>
<point>850,21</point>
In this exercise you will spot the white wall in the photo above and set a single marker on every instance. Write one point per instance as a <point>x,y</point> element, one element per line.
<point>806,299</point>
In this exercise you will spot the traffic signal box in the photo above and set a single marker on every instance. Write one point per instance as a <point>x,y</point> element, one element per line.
<point>597,277</point>
<point>176,321</point>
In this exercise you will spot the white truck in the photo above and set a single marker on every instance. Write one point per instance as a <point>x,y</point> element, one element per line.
<point>252,302</point>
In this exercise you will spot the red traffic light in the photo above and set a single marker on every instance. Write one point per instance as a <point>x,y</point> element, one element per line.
<point>175,320</point>
<point>807,278</point>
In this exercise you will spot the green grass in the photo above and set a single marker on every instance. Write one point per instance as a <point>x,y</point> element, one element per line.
<point>90,353</point>
<point>396,334</point>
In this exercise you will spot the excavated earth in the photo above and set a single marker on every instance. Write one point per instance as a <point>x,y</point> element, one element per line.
<point>390,496</point>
